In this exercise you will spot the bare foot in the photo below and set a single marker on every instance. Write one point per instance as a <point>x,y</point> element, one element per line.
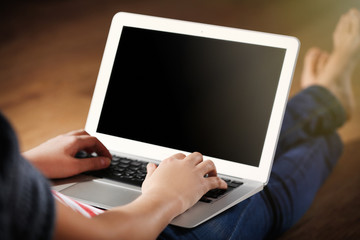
<point>314,63</point>
<point>346,36</point>
<point>334,71</point>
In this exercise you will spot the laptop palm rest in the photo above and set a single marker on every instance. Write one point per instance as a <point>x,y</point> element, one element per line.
<point>101,194</point>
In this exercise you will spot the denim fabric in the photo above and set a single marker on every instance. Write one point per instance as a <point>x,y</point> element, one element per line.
<point>308,149</point>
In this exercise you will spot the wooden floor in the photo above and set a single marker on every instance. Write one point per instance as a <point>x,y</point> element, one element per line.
<point>50,52</point>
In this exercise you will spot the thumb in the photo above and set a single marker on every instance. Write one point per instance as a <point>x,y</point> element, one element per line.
<point>151,167</point>
<point>93,163</point>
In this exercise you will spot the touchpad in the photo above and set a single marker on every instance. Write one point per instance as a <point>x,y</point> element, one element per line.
<point>103,195</point>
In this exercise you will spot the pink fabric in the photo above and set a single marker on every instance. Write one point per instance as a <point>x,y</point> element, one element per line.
<point>82,208</point>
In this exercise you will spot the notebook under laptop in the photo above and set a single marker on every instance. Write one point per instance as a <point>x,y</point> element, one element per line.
<point>167,86</point>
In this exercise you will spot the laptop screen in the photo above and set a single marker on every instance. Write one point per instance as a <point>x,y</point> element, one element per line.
<point>192,93</point>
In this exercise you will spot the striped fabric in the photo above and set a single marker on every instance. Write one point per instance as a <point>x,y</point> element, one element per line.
<point>84,209</point>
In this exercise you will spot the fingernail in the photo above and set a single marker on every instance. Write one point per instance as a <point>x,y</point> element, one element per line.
<point>151,165</point>
<point>224,183</point>
<point>104,161</point>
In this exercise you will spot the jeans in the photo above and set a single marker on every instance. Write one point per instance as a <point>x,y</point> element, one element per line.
<point>308,148</point>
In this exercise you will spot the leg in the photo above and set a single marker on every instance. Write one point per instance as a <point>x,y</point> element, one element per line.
<point>297,176</point>
<point>313,112</point>
<point>295,179</point>
<point>293,184</point>
<point>305,162</point>
<point>309,116</point>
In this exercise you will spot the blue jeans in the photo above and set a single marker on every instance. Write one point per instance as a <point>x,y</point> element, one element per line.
<point>308,149</point>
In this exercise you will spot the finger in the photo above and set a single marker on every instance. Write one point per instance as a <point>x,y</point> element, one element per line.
<point>195,158</point>
<point>78,132</point>
<point>207,168</point>
<point>215,182</point>
<point>92,144</point>
<point>178,156</point>
<point>90,164</point>
<point>151,167</point>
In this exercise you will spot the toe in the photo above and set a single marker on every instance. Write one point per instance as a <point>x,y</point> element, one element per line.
<point>321,63</point>
<point>311,59</point>
<point>310,64</point>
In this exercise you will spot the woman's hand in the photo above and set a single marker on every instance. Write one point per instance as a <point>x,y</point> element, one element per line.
<point>56,157</point>
<point>168,190</point>
<point>181,179</point>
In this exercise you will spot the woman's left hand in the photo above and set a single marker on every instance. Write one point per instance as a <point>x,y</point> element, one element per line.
<point>56,157</point>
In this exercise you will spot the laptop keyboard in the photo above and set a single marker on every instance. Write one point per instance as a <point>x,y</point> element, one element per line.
<point>124,170</point>
<point>133,172</point>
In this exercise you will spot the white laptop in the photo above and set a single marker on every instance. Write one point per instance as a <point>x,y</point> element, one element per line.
<point>168,86</point>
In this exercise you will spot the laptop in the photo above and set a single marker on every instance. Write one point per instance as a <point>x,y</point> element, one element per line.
<point>167,86</point>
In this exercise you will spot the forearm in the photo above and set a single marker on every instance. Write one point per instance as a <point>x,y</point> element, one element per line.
<point>144,218</point>
<point>42,166</point>
<point>167,191</point>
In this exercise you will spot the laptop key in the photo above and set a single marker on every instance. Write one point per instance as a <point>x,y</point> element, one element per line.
<point>214,194</point>
<point>125,161</point>
<point>205,200</point>
<point>234,184</point>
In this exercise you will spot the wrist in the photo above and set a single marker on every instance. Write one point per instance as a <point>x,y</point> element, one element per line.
<point>149,211</point>
<point>27,155</point>
<point>38,162</point>
<point>169,206</point>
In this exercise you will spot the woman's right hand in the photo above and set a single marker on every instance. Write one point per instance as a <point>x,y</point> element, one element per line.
<point>181,179</point>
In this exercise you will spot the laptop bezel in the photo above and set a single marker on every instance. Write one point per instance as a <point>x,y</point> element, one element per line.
<point>158,153</point>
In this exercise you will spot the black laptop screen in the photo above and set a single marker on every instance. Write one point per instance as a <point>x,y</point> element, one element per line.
<point>192,93</point>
